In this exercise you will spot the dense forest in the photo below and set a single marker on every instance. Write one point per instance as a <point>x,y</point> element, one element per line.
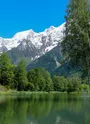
<point>37,79</point>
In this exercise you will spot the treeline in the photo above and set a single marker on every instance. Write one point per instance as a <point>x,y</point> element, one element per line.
<point>37,79</point>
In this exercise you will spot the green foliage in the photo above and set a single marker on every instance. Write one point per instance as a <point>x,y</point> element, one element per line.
<point>33,78</point>
<point>21,76</point>
<point>6,70</point>
<point>66,84</point>
<point>29,86</point>
<point>76,45</point>
<point>60,83</point>
<point>85,87</point>
<point>40,79</point>
<point>74,84</point>
<point>37,79</point>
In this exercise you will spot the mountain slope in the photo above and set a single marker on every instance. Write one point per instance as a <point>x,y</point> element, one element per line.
<point>32,45</point>
<point>39,49</point>
<point>50,61</point>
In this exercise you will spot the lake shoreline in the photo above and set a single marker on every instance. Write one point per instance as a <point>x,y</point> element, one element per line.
<point>26,107</point>
<point>13,92</point>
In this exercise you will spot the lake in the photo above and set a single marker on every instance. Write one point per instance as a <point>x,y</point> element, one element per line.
<point>45,109</point>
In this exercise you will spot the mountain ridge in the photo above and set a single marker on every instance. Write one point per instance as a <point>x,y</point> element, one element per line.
<point>34,37</point>
<point>32,45</point>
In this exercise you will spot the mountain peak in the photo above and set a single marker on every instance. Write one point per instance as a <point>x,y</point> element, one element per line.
<point>42,42</point>
<point>52,28</point>
<point>21,35</point>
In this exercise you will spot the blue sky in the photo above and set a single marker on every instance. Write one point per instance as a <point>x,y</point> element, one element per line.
<point>20,15</point>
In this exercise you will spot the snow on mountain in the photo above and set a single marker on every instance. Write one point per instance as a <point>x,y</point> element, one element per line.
<point>42,42</point>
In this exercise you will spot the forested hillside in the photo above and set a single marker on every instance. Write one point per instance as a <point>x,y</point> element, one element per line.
<point>37,79</point>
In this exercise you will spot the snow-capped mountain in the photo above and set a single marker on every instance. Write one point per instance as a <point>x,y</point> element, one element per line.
<point>36,44</point>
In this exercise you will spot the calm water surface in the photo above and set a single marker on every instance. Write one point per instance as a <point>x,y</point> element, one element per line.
<point>45,109</point>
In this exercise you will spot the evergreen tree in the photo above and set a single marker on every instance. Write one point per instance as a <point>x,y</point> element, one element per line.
<point>6,70</point>
<point>76,45</point>
<point>21,80</point>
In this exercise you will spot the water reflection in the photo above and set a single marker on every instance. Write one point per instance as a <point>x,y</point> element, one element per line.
<point>45,109</point>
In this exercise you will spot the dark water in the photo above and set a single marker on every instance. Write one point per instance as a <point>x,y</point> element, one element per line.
<point>45,109</point>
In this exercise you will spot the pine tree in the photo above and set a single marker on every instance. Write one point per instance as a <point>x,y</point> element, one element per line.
<point>21,80</point>
<point>76,45</point>
<point>6,70</point>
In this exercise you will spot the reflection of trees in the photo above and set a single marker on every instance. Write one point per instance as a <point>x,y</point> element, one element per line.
<point>23,110</point>
<point>6,113</point>
<point>40,105</point>
<point>39,108</point>
<point>20,109</point>
<point>2,99</point>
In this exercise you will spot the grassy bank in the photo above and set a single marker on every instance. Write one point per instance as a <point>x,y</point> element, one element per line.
<point>4,91</point>
<point>14,92</point>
